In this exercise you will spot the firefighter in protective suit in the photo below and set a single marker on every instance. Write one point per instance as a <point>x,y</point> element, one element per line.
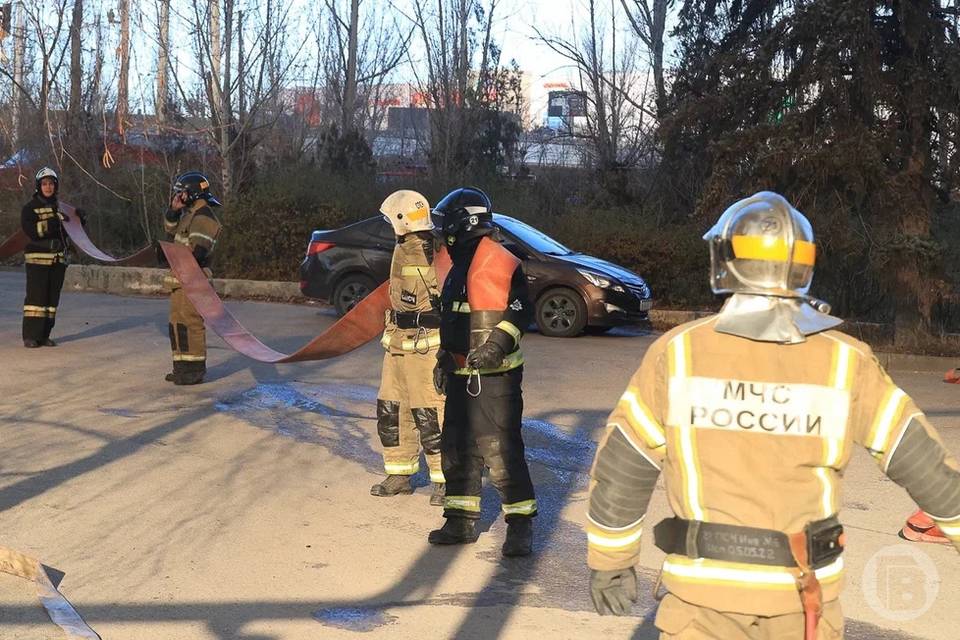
<point>751,415</point>
<point>192,223</point>
<point>44,258</point>
<point>409,409</point>
<point>484,310</point>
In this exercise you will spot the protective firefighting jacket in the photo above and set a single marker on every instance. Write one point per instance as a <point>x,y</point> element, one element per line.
<point>754,434</point>
<point>413,320</point>
<point>484,298</point>
<point>194,226</point>
<point>40,220</point>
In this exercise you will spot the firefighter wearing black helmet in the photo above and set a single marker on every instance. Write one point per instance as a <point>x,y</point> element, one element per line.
<point>44,258</point>
<point>484,310</point>
<point>192,223</point>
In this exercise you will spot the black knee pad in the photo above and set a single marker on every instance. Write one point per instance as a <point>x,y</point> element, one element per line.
<point>388,422</point>
<point>428,424</point>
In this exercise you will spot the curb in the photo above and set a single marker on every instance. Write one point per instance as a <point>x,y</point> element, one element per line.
<point>149,281</point>
<point>145,281</point>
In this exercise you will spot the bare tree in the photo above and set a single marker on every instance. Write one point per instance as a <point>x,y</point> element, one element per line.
<point>163,61</point>
<point>606,61</point>
<point>649,19</point>
<point>76,65</point>
<point>358,56</point>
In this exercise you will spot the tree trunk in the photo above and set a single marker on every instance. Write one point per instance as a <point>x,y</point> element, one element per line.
<point>123,92</point>
<point>76,67</point>
<point>348,115</point>
<point>163,64</point>
<point>19,34</point>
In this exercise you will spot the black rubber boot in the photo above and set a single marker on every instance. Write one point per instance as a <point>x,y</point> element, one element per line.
<point>392,485</point>
<point>188,377</point>
<point>455,531</point>
<point>519,541</point>
<point>170,377</point>
<point>48,343</point>
<point>31,344</point>
<point>439,492</point>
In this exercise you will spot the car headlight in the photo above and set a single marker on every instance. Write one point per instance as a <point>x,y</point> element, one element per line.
<point>598,280</point>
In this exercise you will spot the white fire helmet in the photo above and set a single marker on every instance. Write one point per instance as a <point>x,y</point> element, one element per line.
<point>762,245</point>
<point>407,211</point>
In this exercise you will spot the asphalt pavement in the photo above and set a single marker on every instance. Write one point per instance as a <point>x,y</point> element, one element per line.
<point>240,509</point>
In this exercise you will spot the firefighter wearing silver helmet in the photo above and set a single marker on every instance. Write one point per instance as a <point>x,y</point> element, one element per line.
<point>751,415</point>
<point>44,258</point>
<point>409,409</point>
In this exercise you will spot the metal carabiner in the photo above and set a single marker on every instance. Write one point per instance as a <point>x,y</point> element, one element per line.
<point>479,385</point>
<point>421,335</point>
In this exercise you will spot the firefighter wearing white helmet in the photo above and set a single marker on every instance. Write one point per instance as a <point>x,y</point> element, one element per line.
<point>409,409</point>
<point>751,416</point>
<point>44,258</point>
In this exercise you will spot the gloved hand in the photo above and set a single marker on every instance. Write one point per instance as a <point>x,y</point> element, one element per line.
<point>200,255</point>
<point>445,365</point>
<point>81,216</point>
<point>489,355</point>
<point>613,591</point>
<point>161,256</point>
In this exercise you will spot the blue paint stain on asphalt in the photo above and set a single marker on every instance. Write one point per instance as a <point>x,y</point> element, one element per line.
<point>329,415</point>
<point>362,619</point>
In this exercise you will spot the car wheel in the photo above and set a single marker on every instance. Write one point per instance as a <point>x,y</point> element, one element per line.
<point>351,289</point>
<point>561,313</point>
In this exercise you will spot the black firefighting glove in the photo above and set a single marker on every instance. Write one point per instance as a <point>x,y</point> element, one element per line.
<point>444,367</point>
<point>489,355</point>
<point>81,216</point>
<point>161,256</point>
<point>200,255</point>
<point>172,216</point>
<point>613,591</point>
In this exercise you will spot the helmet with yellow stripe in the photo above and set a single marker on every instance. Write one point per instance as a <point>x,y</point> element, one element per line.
<point>407,211</point>
<point>762,245</point>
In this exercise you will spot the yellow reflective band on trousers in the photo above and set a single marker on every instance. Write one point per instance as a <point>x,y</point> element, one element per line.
<point>43,258</point>
<point>773,249</point>
<point>401,468</point>
<point>33,311</point>
<point>460,307</point>
<point>463,503</point>
<point>512,361</point>
<point>437,476</point>
<point>524,507</point>
<point>185,357</point>
<point>715,572</point>
<point>413,345</point>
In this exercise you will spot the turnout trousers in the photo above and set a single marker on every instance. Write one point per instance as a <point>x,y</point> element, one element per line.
<point>409,414</point>
<point>44,282</point>
<point>681,620</point>
<point>188,335</point>
<point>484,429</point>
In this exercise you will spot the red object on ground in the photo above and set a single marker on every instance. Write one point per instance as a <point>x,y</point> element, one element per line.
<point>921,528</point>
<point>952,376</point>
<point>360,325</point>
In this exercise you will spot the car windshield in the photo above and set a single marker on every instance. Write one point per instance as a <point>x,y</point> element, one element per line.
<point>536,240</point>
